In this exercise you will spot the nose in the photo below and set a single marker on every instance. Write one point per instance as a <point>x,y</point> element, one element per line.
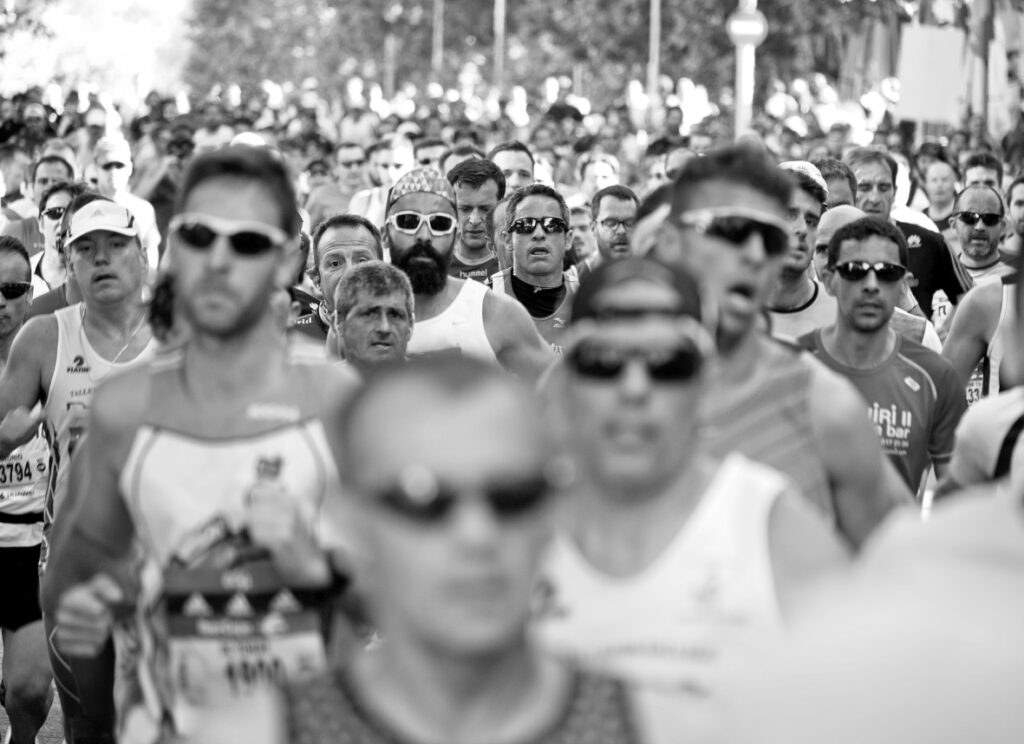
<point>635,382</point>
<point>752,249</point>
<point>423,231</point>
<point>871,282</point>
<point>220,252</point>
<point>383,322</point>
<point>474,525</point>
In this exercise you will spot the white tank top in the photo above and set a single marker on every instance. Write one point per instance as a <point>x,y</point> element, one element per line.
<point>77,371</point>
<point>215,620</point>
<point>24,479</point>
<point>984,380</point>
<point>460,326</point>
<point>706,599</point>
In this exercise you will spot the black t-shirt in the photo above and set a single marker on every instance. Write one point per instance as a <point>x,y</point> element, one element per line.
<point>934,266</point>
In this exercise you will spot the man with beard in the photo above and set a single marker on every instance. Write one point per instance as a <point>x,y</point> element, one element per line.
<point>613,212</point>
<point>978,214</point>
<point>538,229</point>
<point>479,186</point>
<point>452,313</point>
<point>799,303</point>
<point>913,396</point>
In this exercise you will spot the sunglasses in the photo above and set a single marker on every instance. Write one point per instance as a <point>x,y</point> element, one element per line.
<point>988,219</point>
<point>247,238</point>
<point>526,225</point>
<point>410,222</point>
<point>112,166</point>
<point>736,225</point>
<point>855,271</point>
<point>602,362</point>
<point>53,213</point>
<point>420,497</point>
<point>612,225</point>
<point>14,290</point>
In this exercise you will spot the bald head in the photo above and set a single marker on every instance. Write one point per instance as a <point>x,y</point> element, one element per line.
<point>832,220</point>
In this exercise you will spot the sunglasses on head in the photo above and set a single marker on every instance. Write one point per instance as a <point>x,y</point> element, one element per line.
<point>855,271</point>
<point>988,219</point>
<point>14,290</point>
<point>421,497</point>
<point>526,225</point>
<point>247,238</point>
<point>604,362</point>
<point>439,223</point>
<point>736,225</point>
<point>53,213</point>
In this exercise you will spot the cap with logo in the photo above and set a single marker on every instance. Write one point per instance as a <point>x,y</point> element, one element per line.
<point>808,169</point>
<point>112,150</point>
<point>421,181</point>
<point>101,215</point>
<point>588,301</point>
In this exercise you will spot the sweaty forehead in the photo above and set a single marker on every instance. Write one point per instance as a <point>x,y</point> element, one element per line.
<point>873,171</point>
<point>873,248</point>
<point>424,202</point>
<point>538,206</point>
<point>353,236</point>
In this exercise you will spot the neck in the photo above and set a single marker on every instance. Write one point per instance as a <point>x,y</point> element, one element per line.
<point>622,536</point>
<point>939,210</point>
<point>117,318</point>
<point>237,366</point>
<point>857,349</point>
<point>472,254</point>
<point>979,262</point>
<point>450,697</point>
<point>5,347</point>
<point>547,281</point>
<point>736,363</point>
<point>792,291</point>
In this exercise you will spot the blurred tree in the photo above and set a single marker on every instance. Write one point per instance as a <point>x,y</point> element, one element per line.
<point>25,15</point>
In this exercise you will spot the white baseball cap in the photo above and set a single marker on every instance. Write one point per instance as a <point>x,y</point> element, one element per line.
<point>101,215</point>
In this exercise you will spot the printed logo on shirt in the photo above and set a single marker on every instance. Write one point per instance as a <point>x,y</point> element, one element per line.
<point>78,366</point>
<point>914,241</point>
<point>913,384</point>
<point>894,426</point>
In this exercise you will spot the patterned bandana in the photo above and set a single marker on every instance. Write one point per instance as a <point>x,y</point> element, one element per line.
<point>420,180</point>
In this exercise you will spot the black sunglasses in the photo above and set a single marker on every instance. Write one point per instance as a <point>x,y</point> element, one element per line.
<point>113,166</point>
<point>598,362</point>
<point>53,213</point>
<point>988,219</point>
<point>14,290</point>
<point>855,271</point>
<point>420,497</point>
<point>246,238</point>
<point>737,229</point>
<point>526,225</point>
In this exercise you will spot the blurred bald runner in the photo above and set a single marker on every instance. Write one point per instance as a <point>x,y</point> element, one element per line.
<point>454,314</point>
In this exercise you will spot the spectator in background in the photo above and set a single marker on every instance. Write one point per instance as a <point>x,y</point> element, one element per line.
<point>50,169</point>
<point>515,161</point>
<point>113,158</point>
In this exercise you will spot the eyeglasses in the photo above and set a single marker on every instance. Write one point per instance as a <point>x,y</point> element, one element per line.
<point>53,213</point>
<point>14,290</point>
<point>350,163</point>
<point>421,497</point>
<point>112,166</point>
<point>317,172</point>
<point>855,271</point>
<point>988,219</point>
<point>526,225</point>
<point>736,224</point>
<point>612,225</point>
<point>247,238</point>
<point>410,222</point>
<point>603,362</point>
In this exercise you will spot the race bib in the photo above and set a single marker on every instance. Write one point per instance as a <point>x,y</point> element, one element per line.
<point>977,385</point>
<point>233,631</point>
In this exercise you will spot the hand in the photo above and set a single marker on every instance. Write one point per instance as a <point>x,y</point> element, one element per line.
<point>85,616</point>
<point>17,428</point>
<point>274,523</point>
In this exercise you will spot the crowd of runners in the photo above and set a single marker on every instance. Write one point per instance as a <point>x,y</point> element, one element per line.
<point>431,432</point>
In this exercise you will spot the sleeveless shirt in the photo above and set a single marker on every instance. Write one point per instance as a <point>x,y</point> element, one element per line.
<point>215,620</point>
<point>24,479</point>
<point>767,418</point>
<point>707,599</point>
<point>552,328</point>
<point>459,327</point>
<point>77,370</point>
<point>984,380</point>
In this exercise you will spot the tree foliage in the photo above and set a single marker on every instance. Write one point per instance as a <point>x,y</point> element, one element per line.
<point>25,15</point>
<point>246,41</point>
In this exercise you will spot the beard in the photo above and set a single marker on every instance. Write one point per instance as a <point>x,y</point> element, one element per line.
<point>426,278</point>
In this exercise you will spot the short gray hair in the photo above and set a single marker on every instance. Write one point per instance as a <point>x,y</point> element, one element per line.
<point>378,279</point>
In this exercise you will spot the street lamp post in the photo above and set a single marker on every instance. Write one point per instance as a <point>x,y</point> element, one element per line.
<point>747,28</point>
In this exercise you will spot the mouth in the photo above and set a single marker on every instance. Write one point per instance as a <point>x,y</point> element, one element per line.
<point>540,251</point>
<point>103,277</point>
<point>629,436</point>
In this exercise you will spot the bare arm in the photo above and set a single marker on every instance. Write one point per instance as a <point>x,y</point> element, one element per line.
<point>25,379</point>
<point>862,493</point>
<point>971,329</point>
<point>517,343</point>
<point>804,550</point>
